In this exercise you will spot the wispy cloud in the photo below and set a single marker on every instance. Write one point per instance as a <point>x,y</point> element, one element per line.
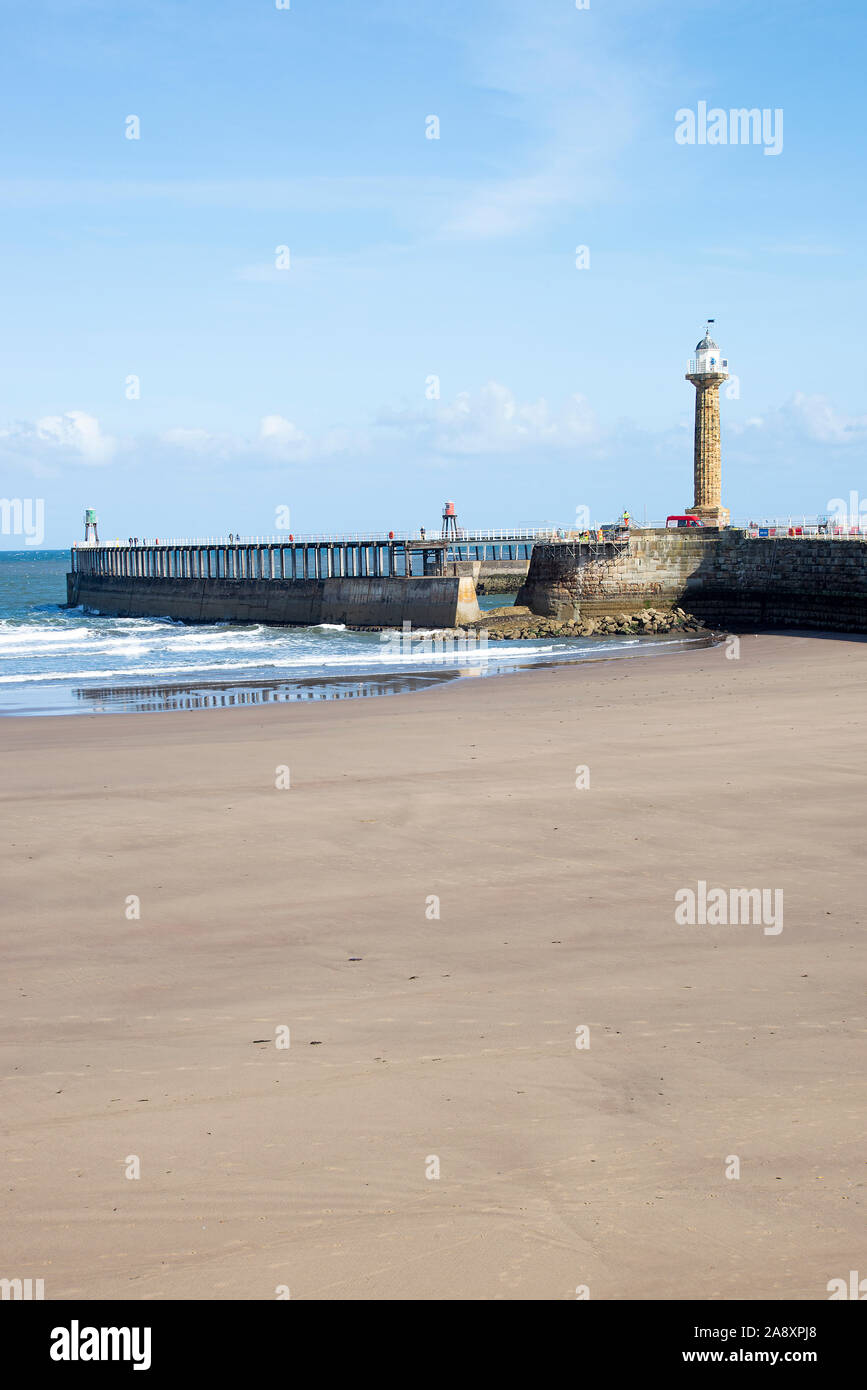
<point>494,421</point>
<point>277,440</point>
<point>807,418</point>
<point>574,107</point>
<point>579,106</point>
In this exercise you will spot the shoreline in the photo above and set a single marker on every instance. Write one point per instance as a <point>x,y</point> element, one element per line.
<point>452,1033</point>
<point>157,696</point>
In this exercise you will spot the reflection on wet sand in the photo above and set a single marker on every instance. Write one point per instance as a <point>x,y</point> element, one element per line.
<point>135,699</point>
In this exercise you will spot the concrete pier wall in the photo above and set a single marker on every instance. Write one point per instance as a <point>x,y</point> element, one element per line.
<point>723,577</point>
<point>491,576</point>
<point>502,576</point>
<point>358,602</point>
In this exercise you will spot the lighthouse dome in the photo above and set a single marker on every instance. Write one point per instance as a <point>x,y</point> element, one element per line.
<point>706,342</point>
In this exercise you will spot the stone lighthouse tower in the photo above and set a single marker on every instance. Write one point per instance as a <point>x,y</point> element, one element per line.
<point>707,371</point>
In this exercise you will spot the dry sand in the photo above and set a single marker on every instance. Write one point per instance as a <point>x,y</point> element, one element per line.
<point>455,1037</point>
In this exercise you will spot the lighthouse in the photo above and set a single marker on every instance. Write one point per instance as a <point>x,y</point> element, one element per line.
<point>707,371</point>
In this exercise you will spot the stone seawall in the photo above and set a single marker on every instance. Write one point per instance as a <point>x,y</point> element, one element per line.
<point>372,603</point>
<point>722,577</point>
<point>508,583</point>
<point>492,576</point>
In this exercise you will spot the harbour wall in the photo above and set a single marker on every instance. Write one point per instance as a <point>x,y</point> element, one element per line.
<point>725,577</point>
<point>358,602</point>
<point>491,576</point>
<point>502,576</point>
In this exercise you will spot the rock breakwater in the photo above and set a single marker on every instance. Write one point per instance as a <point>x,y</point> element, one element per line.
<point>519,622</point>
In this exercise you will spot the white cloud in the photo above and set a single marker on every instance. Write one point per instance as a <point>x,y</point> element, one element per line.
<point>77,433</point>
<point>53,440</point>
<point>821,422</point>
<point>283,437</point>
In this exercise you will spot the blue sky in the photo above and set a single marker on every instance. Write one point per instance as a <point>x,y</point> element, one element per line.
<point>410,258</point>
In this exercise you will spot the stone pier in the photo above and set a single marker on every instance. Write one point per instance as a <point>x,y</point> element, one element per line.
<point>724,577</point>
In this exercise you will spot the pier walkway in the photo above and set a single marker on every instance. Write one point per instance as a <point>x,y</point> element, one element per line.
<point>371,556</point>
<point>358,559</point>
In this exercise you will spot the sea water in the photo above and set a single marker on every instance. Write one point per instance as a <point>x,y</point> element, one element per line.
<point>55,660</point>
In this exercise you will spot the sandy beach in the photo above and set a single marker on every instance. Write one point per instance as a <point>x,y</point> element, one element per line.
<point>417,1037</point>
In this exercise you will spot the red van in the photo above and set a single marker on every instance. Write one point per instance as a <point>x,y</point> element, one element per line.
<point>683,521</point>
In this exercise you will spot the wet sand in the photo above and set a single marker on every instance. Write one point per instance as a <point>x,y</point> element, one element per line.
<point>416,1038</point>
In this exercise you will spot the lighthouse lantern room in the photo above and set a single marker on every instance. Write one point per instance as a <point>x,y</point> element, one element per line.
<point>708,360</point>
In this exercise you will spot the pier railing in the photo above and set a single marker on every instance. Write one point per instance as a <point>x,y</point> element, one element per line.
<point>299,559</point>
<point>430,537</point>
<point>308,556</point>
<point>805,528</point>
<point>795,527</point>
